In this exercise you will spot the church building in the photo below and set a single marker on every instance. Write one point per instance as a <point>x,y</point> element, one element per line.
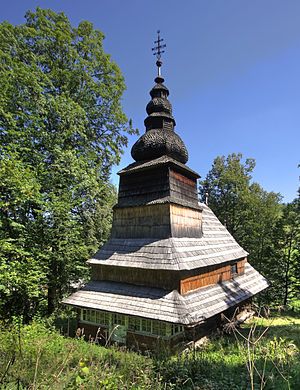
<point>170,268</point>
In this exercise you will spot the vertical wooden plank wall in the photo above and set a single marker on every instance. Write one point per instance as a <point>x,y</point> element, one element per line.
<point>212,277</point>
<point>151,221</point>
<point>185,222</point>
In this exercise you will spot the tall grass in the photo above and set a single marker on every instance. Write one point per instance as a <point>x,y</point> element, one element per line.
<point>45,359</point>
<point>264,354</point>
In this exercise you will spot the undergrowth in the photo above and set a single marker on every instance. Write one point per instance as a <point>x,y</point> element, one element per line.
<point>36,356</point>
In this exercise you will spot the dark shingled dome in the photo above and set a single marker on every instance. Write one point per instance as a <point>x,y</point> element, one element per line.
<point>160,138</point>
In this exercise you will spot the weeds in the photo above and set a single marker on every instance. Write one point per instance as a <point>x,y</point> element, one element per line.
<point>262,355</point>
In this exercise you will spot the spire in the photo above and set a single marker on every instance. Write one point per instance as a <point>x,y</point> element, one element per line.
<point>160,138</point>
<point>158,52</point>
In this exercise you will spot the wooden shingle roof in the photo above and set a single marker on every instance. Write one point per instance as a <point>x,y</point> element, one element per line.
<point>169,306</point>
<point>160,161</point>
<point>216,246</point>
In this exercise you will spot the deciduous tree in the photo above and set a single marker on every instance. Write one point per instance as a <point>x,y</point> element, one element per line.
<point>61,129</point>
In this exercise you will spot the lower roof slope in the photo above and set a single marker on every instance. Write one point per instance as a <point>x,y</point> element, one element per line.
<point>170,306</point>
<point>216,246</point>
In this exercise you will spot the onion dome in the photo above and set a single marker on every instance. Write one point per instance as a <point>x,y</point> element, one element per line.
<point>159,139</point>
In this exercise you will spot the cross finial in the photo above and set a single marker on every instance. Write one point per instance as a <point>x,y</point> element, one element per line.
<point>157,49</point>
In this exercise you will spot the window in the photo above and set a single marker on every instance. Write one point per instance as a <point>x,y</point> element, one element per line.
<point>92,316</point>
<point>102,318</point>
<point>176,329</point>
<point>234,269</point>
<point>95,316</point>
<point>134,323</point>
<point>119,319</point>
<point>152,327</point>
<point>146,325</point>
<point>159,328</point>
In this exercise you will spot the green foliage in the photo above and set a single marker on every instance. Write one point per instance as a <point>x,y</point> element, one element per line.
<point>221,364</point>
<point>74,364</point>
<point>288,252</point>
<point>266,228</point>
<point>61,129</point>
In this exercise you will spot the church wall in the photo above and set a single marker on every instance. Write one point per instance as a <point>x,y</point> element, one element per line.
<point>157,221</point>
<point>139,188</point>
<point>182,187</point>
<point>143,343</point>
<point>184,281</point>
<point>185,222</point>
<point>140,333</point>
<point>168,280</point>
<point>152,221</point>
<point>214,275</point>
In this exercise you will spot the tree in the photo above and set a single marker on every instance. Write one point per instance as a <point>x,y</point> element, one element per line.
<point>290,251</point>
<point>61,130</point>
<point>227,185</point>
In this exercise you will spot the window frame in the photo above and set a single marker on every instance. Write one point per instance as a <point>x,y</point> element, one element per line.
<point>233,269</point>
<point>141,325</point>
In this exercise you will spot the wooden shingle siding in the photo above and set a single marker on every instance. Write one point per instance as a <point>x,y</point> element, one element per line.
<point>191,183</point>
<point>185,222</point>
<point>144,187</point>
<point>157,184</point>
<point>217,275</point>
<point>142,222</point>
<point>156,221</point>
<point>183,188</point>
<point>159,162</point>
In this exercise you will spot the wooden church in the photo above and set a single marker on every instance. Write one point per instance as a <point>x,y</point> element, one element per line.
<point>170,268</point>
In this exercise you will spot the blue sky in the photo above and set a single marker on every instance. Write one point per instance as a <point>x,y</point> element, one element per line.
<point>232,67</point>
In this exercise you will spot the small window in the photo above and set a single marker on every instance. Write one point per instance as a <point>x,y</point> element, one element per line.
<point>234,269</point>
<point>119,319</point>
<point>102,318</point>
<point>92,316</point>
<point>146,326</point>
<point>177,329</point>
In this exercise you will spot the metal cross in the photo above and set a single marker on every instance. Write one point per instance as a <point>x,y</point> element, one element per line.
<point>158,50</point>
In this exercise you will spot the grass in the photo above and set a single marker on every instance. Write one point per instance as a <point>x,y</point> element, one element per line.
<point>38,357</point>
<point>46,360</point>
<point>224,362</point>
